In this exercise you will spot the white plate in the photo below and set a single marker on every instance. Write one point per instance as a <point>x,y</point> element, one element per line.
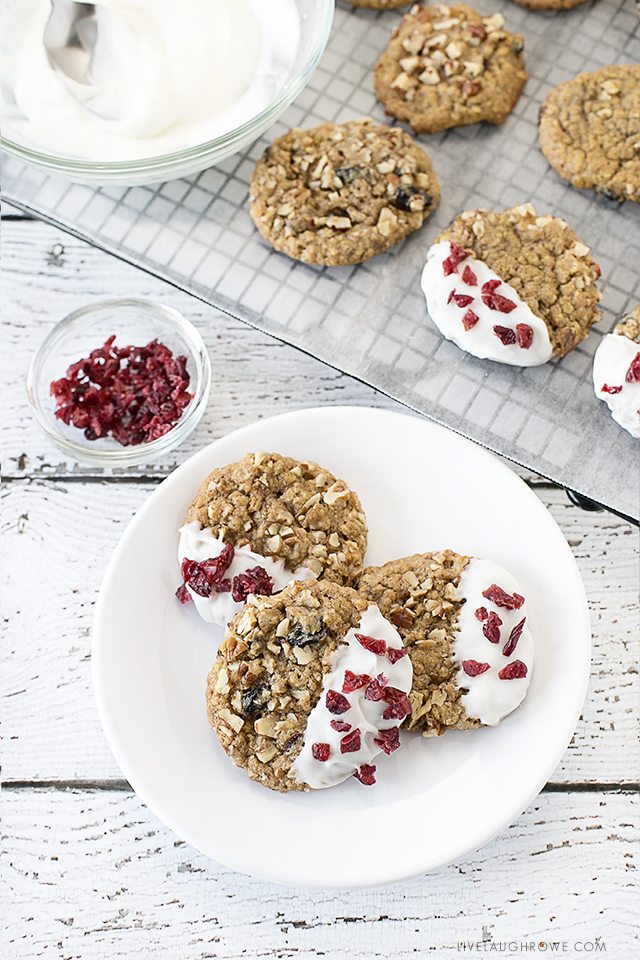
<point>422,488</point>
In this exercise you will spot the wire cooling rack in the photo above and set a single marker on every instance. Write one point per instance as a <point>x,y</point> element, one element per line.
<point>370,320</point>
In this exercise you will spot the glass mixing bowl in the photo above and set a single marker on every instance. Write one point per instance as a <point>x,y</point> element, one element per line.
<point>316,18</point>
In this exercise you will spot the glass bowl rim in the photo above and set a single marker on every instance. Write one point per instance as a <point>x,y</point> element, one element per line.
<point>260,121</point>
<point>139,453</point>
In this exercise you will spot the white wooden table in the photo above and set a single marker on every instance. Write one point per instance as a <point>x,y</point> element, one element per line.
<point>90,872</point>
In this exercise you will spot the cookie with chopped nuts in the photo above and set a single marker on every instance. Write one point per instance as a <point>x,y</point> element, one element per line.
<point>589,131</point>
<point>309,687</point>
<point>464,622</point>
<point>447,66</point>
<point>629,326</point>
<point>616,372</point>
<point>341,193</point>
<point>257,524</point>
<point>513,287</point>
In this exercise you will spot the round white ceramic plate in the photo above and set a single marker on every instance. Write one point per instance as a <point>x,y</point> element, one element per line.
<point>422,488</point>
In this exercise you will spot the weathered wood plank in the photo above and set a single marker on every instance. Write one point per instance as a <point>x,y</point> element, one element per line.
<point>47,274</point>
<point>91,875</point>
<point>57,540</point>
<point>254,376</point>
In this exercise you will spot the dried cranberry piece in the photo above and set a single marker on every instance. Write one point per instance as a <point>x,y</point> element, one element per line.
<point>481,613</point>
<point>206,577</point>
<point>336,702</point>
<point>351,742</point>
<point>505,335</point>
<point>633,373</point>
<point>456,256</point>
<point>462,299</point>
<point>183,594</point>
<point>515,670</point>
<point>473,668</point>
<point>503,599</point>
<point>366,774</point>
<point>372,644</point>
<point>495,301</point>
<point>375,690</point>
<point>340,725</point>
<point>451,295</point>
<point>256,581</point>
<point>469,277</point>
<point>524,334</point>
<point>491,627</point>
<point>470,319</point>
<point>398,704</point>
<point>134,394</point>
<point>388,740</point>
<point>514,636</point>
<point>605,388</point>
<point>320,751</point>
<point>353,681</point>
<point>396,653</point>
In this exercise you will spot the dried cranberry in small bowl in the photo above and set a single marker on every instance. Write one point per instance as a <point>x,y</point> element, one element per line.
<point>120,382</point>
<point>134,394</point>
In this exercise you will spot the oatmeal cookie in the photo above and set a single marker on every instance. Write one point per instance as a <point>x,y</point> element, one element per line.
<point>309,687</point>
<point>589,131</point>
<point>629,326</point>
<point>464,624</point>
<point>616,372</point>
<point>513,287</point>
<point>450,66</point>
<point>341,193</point>
<point>257,524</point>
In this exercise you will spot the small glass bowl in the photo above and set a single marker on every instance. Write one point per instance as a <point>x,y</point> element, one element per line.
<point>134,322</point>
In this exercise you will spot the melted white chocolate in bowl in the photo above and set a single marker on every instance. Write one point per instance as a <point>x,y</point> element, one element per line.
<point>167,76</point>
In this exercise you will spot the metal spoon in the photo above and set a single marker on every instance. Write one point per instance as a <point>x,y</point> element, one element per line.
<point>70,37</point>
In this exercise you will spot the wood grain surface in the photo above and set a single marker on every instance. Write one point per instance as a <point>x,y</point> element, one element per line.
<point>88,870</point>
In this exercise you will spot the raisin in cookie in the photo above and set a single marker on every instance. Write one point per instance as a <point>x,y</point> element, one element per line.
<point>616,372</point>
<point>512,287</point>
<point>550,4</point>
<point>464,623</point>
<point>589,131</point>
<point>256,525</point>
<point>380,4</point>
<point>341,193</point>
<point>309,687</point>
<point>450,66</point>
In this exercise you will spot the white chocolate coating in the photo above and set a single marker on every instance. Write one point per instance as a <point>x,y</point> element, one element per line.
<point>610,366</point>
<point>363,714</point>
<point>198,543</point>
<point>480,340</point>
<point>488,698</point>
<point>165,75</point>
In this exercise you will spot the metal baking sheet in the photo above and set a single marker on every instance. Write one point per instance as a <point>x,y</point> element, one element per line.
<point>370,320</point>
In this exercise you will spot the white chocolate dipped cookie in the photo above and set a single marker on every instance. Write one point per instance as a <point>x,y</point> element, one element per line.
<point>261,523</point>
<point>465,624</point>
<point>616,372</point>
<point>309,688</point>
<point>512,287</point>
